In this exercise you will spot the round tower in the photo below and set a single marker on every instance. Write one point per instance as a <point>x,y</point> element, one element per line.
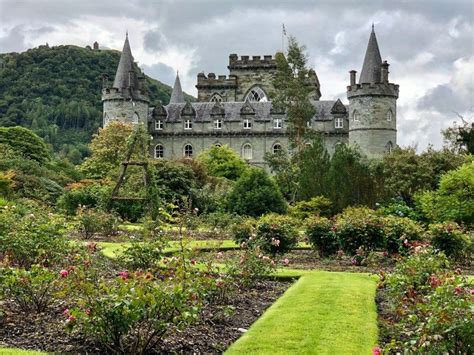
<point>126,100</point>
<point>373,105</point>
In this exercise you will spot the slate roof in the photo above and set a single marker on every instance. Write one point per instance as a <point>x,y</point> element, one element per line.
<point>122,77</point>
<point>371,70</point>
<point>262,110</point>
<point>177,93</point>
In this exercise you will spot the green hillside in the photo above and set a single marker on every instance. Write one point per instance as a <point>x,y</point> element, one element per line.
<point>56,92</point>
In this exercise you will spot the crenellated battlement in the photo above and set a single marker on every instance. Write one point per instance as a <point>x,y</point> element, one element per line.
<point>254,62</point>
<point>371,89</point>
<point>211,80</point>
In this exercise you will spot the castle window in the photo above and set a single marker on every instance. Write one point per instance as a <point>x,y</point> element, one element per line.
<point>247,124</point>
<point>188,151</point>
<point>135,118</point>
<point>276,148</point>
<point>216,98</point>
<point>159,151</point>
<point>389,147</point>
<point>217,124</point>
<point>277,123</point>
<point>247,151</point>
<point>188,124</point>
<point>159,125</point>
<point>389,115</point>
<point>256,95</point>
<point>355,116</point>
<point>339,122</point>
<point>217,145</point>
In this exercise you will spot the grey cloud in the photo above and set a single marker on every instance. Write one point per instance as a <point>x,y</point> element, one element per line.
<point>443,99</point>
<point>165,73</point>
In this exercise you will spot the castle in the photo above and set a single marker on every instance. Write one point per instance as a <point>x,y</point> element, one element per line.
<point>235,110</point>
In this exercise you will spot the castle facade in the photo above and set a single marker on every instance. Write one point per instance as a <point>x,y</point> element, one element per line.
<point>235,110</point>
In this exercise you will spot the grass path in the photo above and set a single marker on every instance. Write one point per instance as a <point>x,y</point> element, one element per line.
<point>322,313</point>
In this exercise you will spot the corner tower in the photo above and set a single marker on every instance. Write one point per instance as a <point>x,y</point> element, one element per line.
<point>126,100</point>
<point>373,105</point>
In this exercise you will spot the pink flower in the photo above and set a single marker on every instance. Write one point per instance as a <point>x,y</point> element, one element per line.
<point>71,318</point>
<point>286,262</point>
<point>471,292</point>
<point>123,275</point>
<point>64,273</point>
<point>275,242</point>
<point>220,255</point>
<point>219,283</point>
<point>88,311</point>
<point>458,291</point>
<point>66,312</point>
<point>376,351</point>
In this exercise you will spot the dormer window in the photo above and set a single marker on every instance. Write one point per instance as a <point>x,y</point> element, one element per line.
<point>339,122</point>
<point>277,123</point>
<point>247,124</point>
<point>188,124</point>
<point>218,124</point>
<point>355,116</point>
<point>158,125</point>
<point>389,115</point>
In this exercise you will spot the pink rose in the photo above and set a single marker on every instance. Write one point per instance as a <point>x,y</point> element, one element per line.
<point>88,311</point>
<point>64,273</point>
<point>123,275</point>
<point>66,312</point>
<point>219,283</point>
<point>220,255</point>
<point>376,351</point>
<point>71,318</point>
<point>458,291</point>
<point>286,262</point>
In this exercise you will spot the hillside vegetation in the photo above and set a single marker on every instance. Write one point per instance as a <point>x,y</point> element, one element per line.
<point>56,92</point>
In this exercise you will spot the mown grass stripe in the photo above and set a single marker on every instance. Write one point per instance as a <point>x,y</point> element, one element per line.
<point>322,313</point>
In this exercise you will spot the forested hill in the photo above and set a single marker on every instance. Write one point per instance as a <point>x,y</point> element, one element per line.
<point>56,92</point>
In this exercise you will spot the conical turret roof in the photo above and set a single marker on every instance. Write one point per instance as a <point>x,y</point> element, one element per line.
<point>122,77</point>
<point>177,95</point>
<point>371,68</point>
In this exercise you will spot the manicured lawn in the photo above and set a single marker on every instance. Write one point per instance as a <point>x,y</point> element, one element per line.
<point>13,351</point>
<point>322,313</point>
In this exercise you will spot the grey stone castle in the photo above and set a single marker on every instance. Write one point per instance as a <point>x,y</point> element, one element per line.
<point>235,110</point>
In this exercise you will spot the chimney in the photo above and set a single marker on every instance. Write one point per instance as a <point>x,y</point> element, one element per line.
<point>353,77</point>
<point>384,72</point>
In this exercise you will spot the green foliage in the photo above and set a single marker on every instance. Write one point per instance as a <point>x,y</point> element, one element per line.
<point>275,234</point>
<point>255,194</point>
<point>285,172</point>
<point>398,207</point>
<point>293,89</point>
<point>32,290</point>
<point>143,255</point>
<point>244,231</point>
<point>6,183</point>
<point>56,92</point>
<point>25,143</point>
<point>316,206</point>
<point>449,237</point>
<point>359,227</point>
<point>454,199</point>
<point>321,235</point>
<point>140,308</point>
<point>432,307</point>
<point>400,233</point>
<point>95,221</point>
<point>31,236</point>
<point>221,161</point>
<point>86,193</point>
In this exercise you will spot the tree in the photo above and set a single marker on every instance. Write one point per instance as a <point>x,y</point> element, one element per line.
<point>292,92</point>
<point>314,166</point>
<point>25,143</point>
<point>255,193</point>
<point>285,172</point>
<point>460,138</point>
<point>108,149</point>
<point>222,162</point>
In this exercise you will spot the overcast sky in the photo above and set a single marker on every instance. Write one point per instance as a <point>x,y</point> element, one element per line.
<point>429,44</point>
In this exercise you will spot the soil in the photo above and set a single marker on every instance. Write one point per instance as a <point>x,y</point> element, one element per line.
<point>213,334</point>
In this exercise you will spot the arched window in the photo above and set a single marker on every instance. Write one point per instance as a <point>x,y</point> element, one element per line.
<point>188,151</point>
<point>389,115</point>
<point>106,118</point>
<point>337,146</point>
<point>276,148</point>
<point>256,95</point>
<point>217,144</point>
<point>339,122</point>
<point>247,151</point>
<point>159,151</point>
<point>389,147</point>
<point>135,118</point>
<point>216,98</point>
<point>355,116</point>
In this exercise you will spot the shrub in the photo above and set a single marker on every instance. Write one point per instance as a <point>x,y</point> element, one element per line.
<point>32,290</point>
<point>449,237</point>
<point>321,236</point>
<point>359,227</point>
<point>93,221</point>
<point>87,193</point>
<point>316,206</point>
<point>275,234</point>
<point>244,231</point>
<point>399,208</point>
<point>31,236</point>
<point>255,193</point>
<point>400,232</point>
<point>222,162</point>
<point>140,308</point>
<point>143,255</point>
